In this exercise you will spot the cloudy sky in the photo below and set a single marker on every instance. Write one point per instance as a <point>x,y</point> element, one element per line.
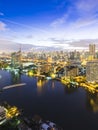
<point>49,23</point>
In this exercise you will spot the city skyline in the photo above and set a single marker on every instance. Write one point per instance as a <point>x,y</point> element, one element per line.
<point>54,23</point>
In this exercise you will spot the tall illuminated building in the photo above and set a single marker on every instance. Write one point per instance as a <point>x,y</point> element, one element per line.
<point>92,71</point>
<point>92,49</point>
<point>16,59</point>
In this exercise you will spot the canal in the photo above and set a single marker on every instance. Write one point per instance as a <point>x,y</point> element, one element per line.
<point>71,108</point>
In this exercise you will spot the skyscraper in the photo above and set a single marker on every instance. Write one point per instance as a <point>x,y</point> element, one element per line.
<point>16,59</point>
<point>92,49</point>
<point>92,71</point>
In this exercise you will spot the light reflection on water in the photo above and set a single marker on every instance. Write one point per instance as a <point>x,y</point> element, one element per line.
<point>40,85</point>
<point>0,76</point>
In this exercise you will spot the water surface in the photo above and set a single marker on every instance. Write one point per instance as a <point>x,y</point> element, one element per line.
<point>71,108</point>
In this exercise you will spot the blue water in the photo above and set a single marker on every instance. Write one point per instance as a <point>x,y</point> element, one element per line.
<point>71,108</point>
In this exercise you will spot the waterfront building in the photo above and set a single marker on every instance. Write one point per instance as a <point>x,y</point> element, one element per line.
<point>16,59</point>
<point>2,115</point>
<point>92,71</point>
<point>71,71</point>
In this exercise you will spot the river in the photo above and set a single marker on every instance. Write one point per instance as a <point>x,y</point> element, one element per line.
<point>71,108</point>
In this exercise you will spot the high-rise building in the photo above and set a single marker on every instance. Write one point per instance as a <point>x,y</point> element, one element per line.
<point>92,49</point>
<point>2,115</point>
<point>92,71</point>
<point>71,71</point>
<point>16,59</point>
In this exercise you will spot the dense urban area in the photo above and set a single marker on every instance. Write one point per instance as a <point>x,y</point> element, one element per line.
<point>71,68</point>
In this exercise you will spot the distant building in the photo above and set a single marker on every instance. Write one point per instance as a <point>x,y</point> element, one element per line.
<point>92,71</point>
<point>92,49</point>
<point>49,59</point>
<point>72,55</point>
<point>46,68</point>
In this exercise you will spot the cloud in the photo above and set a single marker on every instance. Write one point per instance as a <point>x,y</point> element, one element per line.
<point>7,45</point>
<point>24,25</point>
<point>1,14</point>
<point>59,41</point>
<point>83,43</point>
<point>2,26</point>
<point>68,45</point>
<point>29,37</point>
<point>85,21</point>
<point>80,13</point>
<point>87,5</point>
<point>72,44</point>
<point>59,21</point>
<point>87,12</point>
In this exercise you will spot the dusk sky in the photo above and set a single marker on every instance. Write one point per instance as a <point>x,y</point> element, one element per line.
<point>48,22</point>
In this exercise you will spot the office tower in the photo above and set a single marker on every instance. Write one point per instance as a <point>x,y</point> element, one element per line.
<point>71,71</point>
<point>16,59</point>
<point>92,49</point>
<point>92,71</point>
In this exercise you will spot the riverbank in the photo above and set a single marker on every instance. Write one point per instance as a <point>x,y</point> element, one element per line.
<point>80,81</point>
<point>15,120</point>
